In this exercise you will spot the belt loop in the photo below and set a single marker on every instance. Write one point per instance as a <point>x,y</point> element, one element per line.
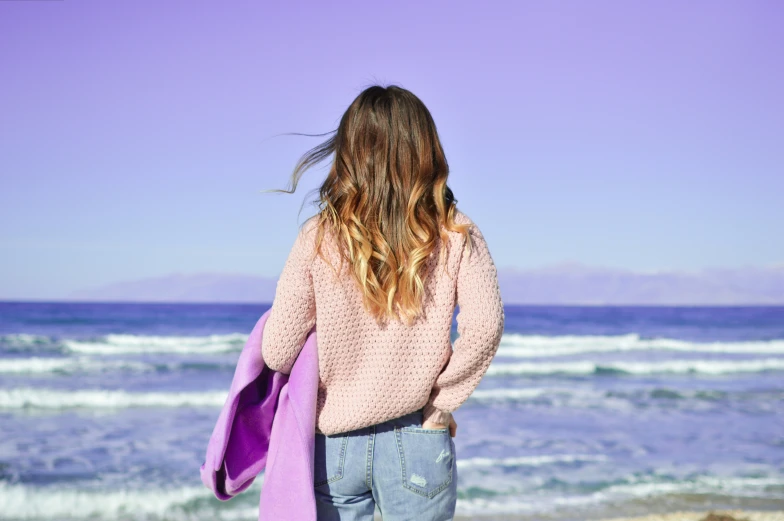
<point>369,456</point>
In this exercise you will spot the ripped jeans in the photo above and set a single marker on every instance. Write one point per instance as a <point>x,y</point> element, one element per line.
<point>407,471</point>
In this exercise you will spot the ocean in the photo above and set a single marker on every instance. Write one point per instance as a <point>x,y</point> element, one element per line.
<point>585,413</point>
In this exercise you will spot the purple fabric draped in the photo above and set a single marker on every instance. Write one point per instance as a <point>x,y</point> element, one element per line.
<point>268,423</point>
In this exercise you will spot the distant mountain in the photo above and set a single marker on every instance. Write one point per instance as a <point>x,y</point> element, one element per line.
<point>574,283</point>
<point>566,283</point>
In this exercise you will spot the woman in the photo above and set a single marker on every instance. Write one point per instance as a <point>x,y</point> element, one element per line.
<point>380,268</point>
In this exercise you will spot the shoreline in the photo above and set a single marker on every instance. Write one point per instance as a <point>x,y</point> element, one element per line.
<point>705,515</point>
<point>678,515</point>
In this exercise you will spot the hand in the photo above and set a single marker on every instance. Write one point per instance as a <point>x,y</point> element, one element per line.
<point>432,425</point>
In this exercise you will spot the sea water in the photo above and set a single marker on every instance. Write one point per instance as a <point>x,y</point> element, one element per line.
<point>586,412</point>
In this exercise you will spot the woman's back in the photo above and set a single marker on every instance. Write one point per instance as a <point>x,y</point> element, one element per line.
<point>379,270</point>
<point>371,372</point>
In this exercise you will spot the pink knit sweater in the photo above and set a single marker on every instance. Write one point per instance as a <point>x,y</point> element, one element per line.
<point>371,373</point>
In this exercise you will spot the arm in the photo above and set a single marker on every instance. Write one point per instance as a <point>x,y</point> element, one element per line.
<point>293,312</point>
<point>480,324</point>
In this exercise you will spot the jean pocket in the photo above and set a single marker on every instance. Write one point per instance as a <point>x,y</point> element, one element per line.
<point>329,458</point>
<point>426,459</point>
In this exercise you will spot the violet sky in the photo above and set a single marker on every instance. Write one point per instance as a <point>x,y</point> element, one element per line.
<point>135,136</point>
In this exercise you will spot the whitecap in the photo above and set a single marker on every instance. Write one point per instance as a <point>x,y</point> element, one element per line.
<point>115,344</point>
<point>638,368</point>
<point>532,346</point>
<point>28,397</point>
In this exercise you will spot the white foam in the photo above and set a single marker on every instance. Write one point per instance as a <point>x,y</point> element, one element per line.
<point>666,366</point>
<point>33,365</point>
<point>512,344</point>
<point>559,395</point>
<point>24,340</point>
<point>27,502</point>
<point>514,393</point>
<point>647,488</point>
<point>114,344</point>
<point>529,461</point>
<point>530,346</point>
<point>23,398</point>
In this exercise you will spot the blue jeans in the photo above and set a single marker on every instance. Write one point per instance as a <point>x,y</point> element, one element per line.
<point>408,471</point>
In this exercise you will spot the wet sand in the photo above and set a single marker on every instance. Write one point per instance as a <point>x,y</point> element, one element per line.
<point>734,515</point>
<point>717,515</point>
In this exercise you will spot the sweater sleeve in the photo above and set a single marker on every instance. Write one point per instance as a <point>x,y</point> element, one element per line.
<point>293,312</point>
<point>480,325</point>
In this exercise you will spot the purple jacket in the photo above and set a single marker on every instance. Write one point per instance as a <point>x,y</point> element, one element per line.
<point>268,423</point>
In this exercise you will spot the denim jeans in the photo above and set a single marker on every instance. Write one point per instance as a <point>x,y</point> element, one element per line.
<point>407,471</point>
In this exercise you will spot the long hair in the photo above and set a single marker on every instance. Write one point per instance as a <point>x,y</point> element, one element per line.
<point>385,198</point>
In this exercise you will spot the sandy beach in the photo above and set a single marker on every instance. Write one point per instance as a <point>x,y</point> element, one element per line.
<point>702,515</point>
<point>712,515</point>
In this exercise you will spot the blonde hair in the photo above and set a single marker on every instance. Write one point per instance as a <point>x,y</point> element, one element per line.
<point>385,198</point>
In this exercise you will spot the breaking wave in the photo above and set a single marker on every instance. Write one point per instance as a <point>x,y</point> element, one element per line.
<point>531,346</point>
<point>29,397</point>
<point>638,368</point>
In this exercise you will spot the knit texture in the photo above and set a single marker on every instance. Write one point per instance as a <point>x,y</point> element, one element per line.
<point>370,373</point>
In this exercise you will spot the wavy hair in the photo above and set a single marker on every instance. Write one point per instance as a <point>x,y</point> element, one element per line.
<point>385,198</point>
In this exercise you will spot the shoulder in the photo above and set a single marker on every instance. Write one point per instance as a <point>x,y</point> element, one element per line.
<point>473,229</point>
<point>309,227</point>
<point>461,217</point>
<point>307,230</point>
<point>475,248</point>
<point>305,239</point>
